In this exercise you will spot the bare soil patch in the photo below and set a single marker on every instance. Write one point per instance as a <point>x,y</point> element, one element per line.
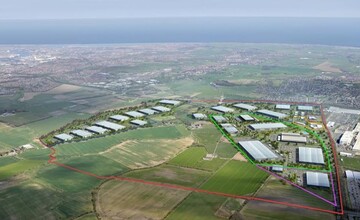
<point>327,67</point>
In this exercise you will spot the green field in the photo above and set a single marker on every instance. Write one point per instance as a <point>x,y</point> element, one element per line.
<point>352,163</point>
<point>16,168</point>
<point>198,207</point>
<point>240,178</point>
<point>171,174</point>
<point>146,153</point>
<point>193,158</point>
<point>207,136</point>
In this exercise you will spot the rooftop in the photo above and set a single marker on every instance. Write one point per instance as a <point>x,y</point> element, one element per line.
<point>219,118</point>
<point>109,125</point>
<point>169,102</point>
<point>222,109</point>
<point>135,114</point>
<point>161,108</point>
<point>317,179</point>
<point>305,108</point>
<point>199,115</point>
<point>283,106</point>
<point>81,133</point>
<point>311,155</point>
<point>245,106</point>
<point>119,117</point>
<point>138,122</point>
<point>63,137</point>
<point>246,117</point>
<point>148,111</point>
<point>272,113</point>
<point>258,150</point>
<point>96,129</point>
<point>266,126</point>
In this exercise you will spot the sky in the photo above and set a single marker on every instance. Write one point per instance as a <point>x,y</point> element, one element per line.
<point>77,9</point>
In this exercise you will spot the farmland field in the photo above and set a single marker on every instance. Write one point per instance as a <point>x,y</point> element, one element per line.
<point>198,206</point>
<point>236,177</point>
<point>193,158</point>
<point>171,174</point>
<point>18,167</point>
<point>123,200</point>
<point>146,153</point>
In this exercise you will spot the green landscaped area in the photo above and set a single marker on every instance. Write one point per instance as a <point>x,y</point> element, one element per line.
<point>236,177</point>
<point>352,163</point>
<point>193,158</point>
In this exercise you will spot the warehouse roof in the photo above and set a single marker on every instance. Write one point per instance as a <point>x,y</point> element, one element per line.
<point>147,111</point>
<point>63,137</point>
<point>109,125</point>
<point>266,126</point>
<point>246,117</point>
<point>245,106</point>
<point>283,106</point>
<point>161,108</point>
<point>81,133</point>
<point>222,109</point>
<point>352,174</point>
<point>199,116</point>
<point>96,129</point>
<point>229,128</point>
<point>305,108</point>
<point>135,114</point>
<point>311,155</point>
<point>317,179</point>
<point>258,150</point>
<point>293,137</point>
<point>138,122</point>
<point>271,113</point>
<point>219,118</point>
<point>119,117</point>
<point>277,168</point>
<point>169,102</point>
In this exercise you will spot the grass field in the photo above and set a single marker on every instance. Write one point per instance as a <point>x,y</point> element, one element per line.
<point>101,144</point>
<point>352,163</point>
<point>171,174</point>
<point>207,136</point>
<point>236,177</point>
<point>193,158</point>
<point>146,153</point>
<point>123,200</point>
<point>18,167</point>
<point>197,207</point>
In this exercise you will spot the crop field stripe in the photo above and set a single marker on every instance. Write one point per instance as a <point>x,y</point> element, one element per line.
<point>52,160</point>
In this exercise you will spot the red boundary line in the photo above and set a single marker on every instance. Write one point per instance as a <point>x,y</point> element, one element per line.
<point>52,160</point>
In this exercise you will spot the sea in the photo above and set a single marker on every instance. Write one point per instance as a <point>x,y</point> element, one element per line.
<point>323,31</point>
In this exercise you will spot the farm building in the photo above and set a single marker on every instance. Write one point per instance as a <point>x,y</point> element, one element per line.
<point>305,108</point>
<point>109,125</point>
<point>292,137</point>
<point>267,126</point>
<point>219,118</point>
<point>119,117</point>
<point>199,116</point>
<point>317,179</point>
<point>63,137</point>
<point>257,150</point>
<point>222,109</point>
<point>169,102</point>
<point>246,118</point>
<point>138,122</point>
<point>283,107</point>
<point>271,114</point>
<point>277,168</point>
<point>96,129</point>
<point>347,138</point>
<point>245,106</point>
<point>310,155</point>
<point>229,128</point>
<point>134,114</point>
<point>148,111</point>
<point>161,108</point>
<point>81,133</point>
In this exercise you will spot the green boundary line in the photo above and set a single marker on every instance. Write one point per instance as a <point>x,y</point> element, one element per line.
<point>266,119</point>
